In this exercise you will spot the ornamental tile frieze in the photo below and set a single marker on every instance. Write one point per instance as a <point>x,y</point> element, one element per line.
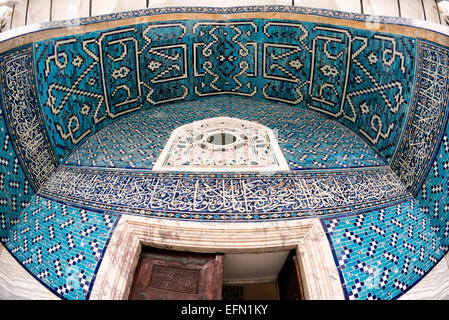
<point>224,197</point>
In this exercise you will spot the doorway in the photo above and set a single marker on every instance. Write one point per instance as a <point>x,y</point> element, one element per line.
<point>173,275</point>
<point>266,276</point>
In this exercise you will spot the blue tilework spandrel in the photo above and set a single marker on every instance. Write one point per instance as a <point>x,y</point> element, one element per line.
<point>23,117</point>
<point>383,253</point>
<point>60,245</point>
<point>433,197</point>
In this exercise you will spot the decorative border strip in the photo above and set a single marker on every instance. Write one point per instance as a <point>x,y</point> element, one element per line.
<point>24,120</point>
<point>427,117</point>
<point>7,35</point>
<point>247,197</point>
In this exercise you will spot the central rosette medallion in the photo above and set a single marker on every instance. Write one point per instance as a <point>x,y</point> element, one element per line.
<point>222,144</point>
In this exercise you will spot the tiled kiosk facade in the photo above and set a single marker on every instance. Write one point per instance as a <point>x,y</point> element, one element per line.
<point>359,105</point>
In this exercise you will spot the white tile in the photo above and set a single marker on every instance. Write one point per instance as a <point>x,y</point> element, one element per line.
<point>100,7</point>
<point>63,9</point>
<point>381,7</point>
<point>412,9</point>
<point>19,13</point>
<point>431,11</point>
<point>38,11</point>
<point>340,5</point>
<point>209,3</point>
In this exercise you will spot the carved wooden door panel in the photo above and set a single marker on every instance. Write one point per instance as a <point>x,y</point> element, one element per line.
<point>170,275</point>
<point>289,280</point>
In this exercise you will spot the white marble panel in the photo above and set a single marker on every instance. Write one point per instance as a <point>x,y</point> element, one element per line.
<point>443,8</point>
<point>5,17</point>
<point>319,273</point>
<point>381,7</point>
<point>63,10</point>
<point>431,11</point>
<point>340,5</point>
<point>412,9</point>
<point>17,284</point>
<point>38,11</point>
<point>19,13</point>
<point>100,7</point>
<point>434,286</point>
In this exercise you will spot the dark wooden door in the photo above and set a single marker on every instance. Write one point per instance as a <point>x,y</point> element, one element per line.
<point>289,280</point>
<point>172,275</point>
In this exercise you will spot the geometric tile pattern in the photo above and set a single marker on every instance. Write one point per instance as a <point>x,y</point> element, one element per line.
<point>383,253</point>
<point>307,140</point>
<point>225,57</point>
<point>225,197</point>
<point>60,245</point>
<point>433,197</point>
<point>15,188</point>
<point>85,82</point>
<point>355,76</point>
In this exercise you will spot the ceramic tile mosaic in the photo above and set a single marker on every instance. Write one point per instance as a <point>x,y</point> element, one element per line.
<point>357,77</point>
<point>60,245</point>
<point>427,117</point>
<point>433,197</point>
<point>71,94</point>
<point>307,140</point>
<point>381,254</point>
